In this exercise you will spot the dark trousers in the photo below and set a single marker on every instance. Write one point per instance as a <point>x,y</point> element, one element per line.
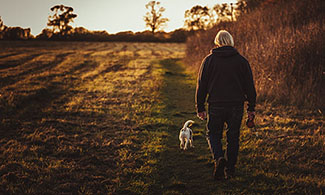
<point>218,117</point>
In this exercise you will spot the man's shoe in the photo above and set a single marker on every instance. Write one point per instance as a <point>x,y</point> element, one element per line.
<point>219,169</point>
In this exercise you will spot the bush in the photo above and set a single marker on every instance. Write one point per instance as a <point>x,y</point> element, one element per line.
<point>284,43</point>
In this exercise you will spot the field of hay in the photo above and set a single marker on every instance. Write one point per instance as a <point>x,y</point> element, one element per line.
<point>103,118</point>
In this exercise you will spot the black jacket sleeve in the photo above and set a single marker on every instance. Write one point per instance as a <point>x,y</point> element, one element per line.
<point>250,88</point>
<point>202,86</point>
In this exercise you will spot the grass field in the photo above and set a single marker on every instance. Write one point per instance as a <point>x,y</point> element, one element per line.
<point>103,118</point>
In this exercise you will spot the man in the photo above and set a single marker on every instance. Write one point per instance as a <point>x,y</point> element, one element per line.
<point>226,78</point>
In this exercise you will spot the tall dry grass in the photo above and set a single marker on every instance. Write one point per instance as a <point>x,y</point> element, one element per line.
<point>284,42</point>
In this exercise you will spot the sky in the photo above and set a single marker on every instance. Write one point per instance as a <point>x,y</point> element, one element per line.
<point>110,15</point>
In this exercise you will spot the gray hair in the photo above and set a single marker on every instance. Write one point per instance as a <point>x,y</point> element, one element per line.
<point>224,38</point>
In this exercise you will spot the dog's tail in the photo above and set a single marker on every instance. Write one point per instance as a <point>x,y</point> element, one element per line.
<point>187,123</point>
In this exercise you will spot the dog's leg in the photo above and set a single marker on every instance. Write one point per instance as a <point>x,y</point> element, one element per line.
<point>191,142</point>
<point>186,144</point>
<point>181,145</point>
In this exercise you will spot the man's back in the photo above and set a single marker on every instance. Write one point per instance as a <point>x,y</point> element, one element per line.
<point>227,77</point>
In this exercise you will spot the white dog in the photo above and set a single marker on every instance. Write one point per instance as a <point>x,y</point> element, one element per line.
<point>186,136</point>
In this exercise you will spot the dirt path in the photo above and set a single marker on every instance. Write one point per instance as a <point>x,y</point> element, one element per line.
<point>183,172</point>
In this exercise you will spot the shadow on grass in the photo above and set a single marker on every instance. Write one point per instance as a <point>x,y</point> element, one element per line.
<point>190,172</point>
<point>48,147</point>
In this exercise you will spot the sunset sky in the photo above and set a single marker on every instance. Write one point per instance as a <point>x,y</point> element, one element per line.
<point>110,15</point>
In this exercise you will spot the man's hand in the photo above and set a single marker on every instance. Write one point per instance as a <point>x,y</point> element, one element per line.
<point>202,115</point>
<point>250,115</point>
<point>250,119</point>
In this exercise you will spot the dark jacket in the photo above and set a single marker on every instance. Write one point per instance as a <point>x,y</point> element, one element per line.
<point>227,78</point>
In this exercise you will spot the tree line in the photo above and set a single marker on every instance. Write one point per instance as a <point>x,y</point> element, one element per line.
<point>196,19</point>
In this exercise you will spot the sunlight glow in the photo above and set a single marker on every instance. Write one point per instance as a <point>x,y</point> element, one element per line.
<point>110,15</point>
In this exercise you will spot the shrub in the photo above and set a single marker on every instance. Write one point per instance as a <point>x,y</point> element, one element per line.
<point>284,43</point>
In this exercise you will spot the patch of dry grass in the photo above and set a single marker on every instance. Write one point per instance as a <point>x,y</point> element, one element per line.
<point>71,115</point>
<point>278,40</point>
<point>84,118</point>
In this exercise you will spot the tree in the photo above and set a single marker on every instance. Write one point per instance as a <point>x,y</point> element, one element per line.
<point>2,26</point>
<point>241,6</point>
<point>45,34</point>
<point>245,6</point>
<point>80,30</point>
<point>153,18</point>
<point>197,18</point>
<point>16,33</point>
<point>224,11</point>
<point>61,18</point>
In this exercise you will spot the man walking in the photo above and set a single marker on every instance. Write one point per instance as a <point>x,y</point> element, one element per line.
<point>226,78</point>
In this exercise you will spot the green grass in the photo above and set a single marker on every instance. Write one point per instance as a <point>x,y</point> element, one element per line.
<point>284,158</point>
